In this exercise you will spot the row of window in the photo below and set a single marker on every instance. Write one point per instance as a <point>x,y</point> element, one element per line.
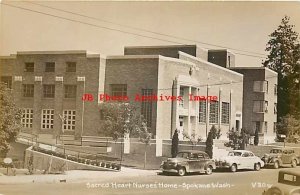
<point>260,126</point>
<point>262,106</point>
<point>47,119</point>
<point>214,112</point>
<point>50,67</point>
<point>70,91</point>
<point>263,86</point>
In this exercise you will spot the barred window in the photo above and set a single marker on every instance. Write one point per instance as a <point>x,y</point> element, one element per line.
<point>147,107</point>
<point>119,90</point>
<point>71,67</point>
<point>69,119</point>
<point>70,91</point>
<point>202,111</point>
<point>50,67</point>
<point>225,113</point>
<point>27,117</point>
<point>49,91</point>
<point>7,80</point>
<point>213,112</point>
<point>29,67</point>
<point>47,118</point>
<point>28,90</point>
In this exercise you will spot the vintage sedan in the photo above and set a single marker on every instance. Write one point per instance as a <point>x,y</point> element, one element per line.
<point>189,161</point>
<point>240,159</point>
<point>281,156</point>
<point>288,184</point>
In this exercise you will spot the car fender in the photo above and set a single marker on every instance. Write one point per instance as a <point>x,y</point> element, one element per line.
<point>184,165</point>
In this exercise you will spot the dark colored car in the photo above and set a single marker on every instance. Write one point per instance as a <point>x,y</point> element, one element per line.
<point>281,156</point>
<point>189,161</point>
<point>288,184</point>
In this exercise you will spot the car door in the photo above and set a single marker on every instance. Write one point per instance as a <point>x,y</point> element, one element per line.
<point>246,161</point>
<point>193,162</point>
<point>286,157</point>
<point>202,162</point>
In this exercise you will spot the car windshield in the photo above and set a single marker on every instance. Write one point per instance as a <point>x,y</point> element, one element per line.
<point>275,151</point>
<point>183,155</point>
<point>234,154</point>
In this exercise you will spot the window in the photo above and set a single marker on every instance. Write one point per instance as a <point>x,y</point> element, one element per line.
<point>257,126</point>
<point>266,126</point>
<point>274,127</point>
<point>119,90</point>
<point>29,67</point>
<point>47,118</point>
<point>71,67</point>
<point>70,91</point>
<point>28,90</point>
<point>7,80</point>
<point>147,107</point>
<point>213,112</point>
<point>260,106</point>
<point>260,86</point>
<point>225,113</point>
<point>50,67</point>
<point>202,111</point>
<point>275,108</point>
<point>27,116</point>
<point>49,91</point>
<point>181,93</point>
<point>69,119</point>
<point>275,89</point>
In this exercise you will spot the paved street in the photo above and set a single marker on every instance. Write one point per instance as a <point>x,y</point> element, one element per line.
<point>148,182</point>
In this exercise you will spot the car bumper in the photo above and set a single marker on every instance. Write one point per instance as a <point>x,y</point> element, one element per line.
<point>169,170</point>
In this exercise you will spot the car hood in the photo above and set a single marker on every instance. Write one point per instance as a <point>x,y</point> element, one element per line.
<point>271,155</point>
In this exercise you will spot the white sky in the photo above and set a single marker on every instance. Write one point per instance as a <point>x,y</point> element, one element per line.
<point>239,25</point>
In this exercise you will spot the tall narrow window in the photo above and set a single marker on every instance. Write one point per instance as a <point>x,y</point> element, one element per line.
<point>275,89</point>
<point>225,113</point>
<point>202,111</point>
<point>47,118</point>
<point>213,112</point>
<point>28,90</point>
<point>147,106</point>
<point>275,108</point>
<point>266,126</point>
<point>119,90</point>
<point>70,91</point>
<point>49,91</point>
<point>181,93</point>
<point>27,117</point>
<point>275,127</point>
<point>69,119</point>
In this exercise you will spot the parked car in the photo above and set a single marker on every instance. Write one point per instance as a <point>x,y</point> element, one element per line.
<point>189,161</point>
<point>281,156</point>
<point>240,159</point>
<point>288,184</point>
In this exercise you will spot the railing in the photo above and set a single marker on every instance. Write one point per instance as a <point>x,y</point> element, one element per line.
<point>31,139</point>
<point>90,140</point>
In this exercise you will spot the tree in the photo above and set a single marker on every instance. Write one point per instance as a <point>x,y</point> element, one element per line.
<point>10,119</point>
<point>237,140</point>
<point>213,133</point>
<point>193,138</point>
<point>284,58</point>
<point>174,148</point>
<point>292,126</point>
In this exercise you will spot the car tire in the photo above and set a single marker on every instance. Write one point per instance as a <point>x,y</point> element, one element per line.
<point>294,163</point>
<point>257,166</point>
<point>209,170</point>
<point>233,168</point>
<point>181,171</point>
<point>276,165</point>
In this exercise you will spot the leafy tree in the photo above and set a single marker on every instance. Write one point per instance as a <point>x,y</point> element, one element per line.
<point>292,126</point>
<point>10,119</point>
<point>213,133</point>
<point>284,58</point>
<point>193,138</point>
<point>237,140</point>
<point>174,148</point>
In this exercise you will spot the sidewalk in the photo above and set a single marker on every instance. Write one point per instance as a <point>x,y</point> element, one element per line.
<point>75,176</point>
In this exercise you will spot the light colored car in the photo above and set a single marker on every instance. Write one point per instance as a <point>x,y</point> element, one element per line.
<point>188,161</point>
<point>240,159</point>
<point>288,184</point>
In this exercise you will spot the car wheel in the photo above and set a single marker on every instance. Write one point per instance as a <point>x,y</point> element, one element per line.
<point>209,170</point>
<point>181,171</point>
<point>257,166</point>
<point>276,165</point>
<point>294,163</point>
<point>233,168</point>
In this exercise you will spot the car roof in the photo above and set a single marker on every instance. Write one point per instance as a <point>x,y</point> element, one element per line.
<point>291,172</point>
<point>282,148</point>
<point>193,151</point>
<point>242,151</point>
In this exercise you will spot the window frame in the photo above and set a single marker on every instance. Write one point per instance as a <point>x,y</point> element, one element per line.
<point>50,69</point>
<point>28,90</point>
<point>46,93</point>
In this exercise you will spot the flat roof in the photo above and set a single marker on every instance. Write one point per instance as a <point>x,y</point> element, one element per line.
<point>55,52</point>
<point>160,46</point>
<point>253,68</point>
